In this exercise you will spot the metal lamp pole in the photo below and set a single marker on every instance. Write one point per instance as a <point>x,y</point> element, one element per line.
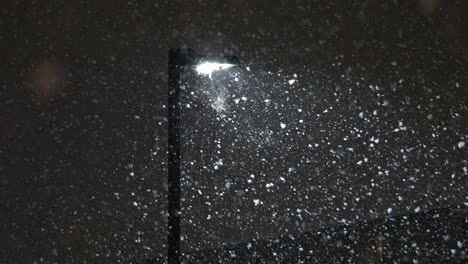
<point>174,157</point>
<point>178,59</point>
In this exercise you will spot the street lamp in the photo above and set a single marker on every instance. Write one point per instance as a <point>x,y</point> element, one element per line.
<point>178,59</point>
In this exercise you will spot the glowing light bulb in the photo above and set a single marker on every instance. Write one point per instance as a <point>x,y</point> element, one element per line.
<point>207,68</point>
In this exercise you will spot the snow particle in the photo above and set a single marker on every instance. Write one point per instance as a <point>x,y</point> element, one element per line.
<point>461,144</point>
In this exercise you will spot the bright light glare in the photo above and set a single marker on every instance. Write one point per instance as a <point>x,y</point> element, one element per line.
<point>208,68</point>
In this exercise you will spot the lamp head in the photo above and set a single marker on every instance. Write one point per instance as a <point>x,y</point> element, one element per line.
<point>204,64</point>
<point>207,68</point>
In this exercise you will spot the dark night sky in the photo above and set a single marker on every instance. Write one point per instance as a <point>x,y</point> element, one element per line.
<point>380,87</point>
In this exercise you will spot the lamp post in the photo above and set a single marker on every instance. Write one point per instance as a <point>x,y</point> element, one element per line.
<point>178,59</point>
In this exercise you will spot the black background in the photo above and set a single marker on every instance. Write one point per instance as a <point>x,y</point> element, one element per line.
<point>83,118</point>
